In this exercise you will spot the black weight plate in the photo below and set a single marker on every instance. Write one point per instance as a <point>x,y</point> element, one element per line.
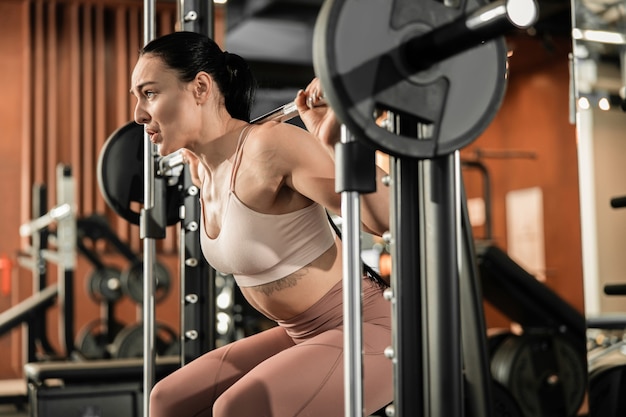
<point>495,340</point>
<point>120,170</point>
<point>121,175</point>
<point>607,383</point>
<point>504,405</point>
<point>132,282</point>
<point>606,392</point>
<point>357,57</point>
<point>544,373</point>
<point>129,341</point>
<point>104,284</point>
<point>94,339</point>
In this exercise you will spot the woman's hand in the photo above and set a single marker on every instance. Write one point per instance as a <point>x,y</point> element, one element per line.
<point>189,158</point>
<point>318,118</point>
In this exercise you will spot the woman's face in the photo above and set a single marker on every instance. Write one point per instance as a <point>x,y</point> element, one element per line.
<point>165,105</point>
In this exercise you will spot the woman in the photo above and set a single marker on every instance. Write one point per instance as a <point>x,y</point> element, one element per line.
<point>264,191</point>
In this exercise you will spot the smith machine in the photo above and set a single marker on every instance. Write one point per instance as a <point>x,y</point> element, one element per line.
<point>420,81</point>
<point>419,87</point>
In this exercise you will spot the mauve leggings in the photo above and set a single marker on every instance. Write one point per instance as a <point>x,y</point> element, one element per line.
<point>292,370</point>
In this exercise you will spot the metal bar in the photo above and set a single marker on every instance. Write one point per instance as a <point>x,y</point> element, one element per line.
<point>474,334</point>
<point>439,200</point>
<point>66,251</point>
<point>196,16</point>
<point>28,310</point>
<point>408,334</point>
<point>486,194</point>
<point>284,113</point>
<point>149,245</point>
<point>37,329</point>
<point>197,280</point>
<point>198,311</point>
<point>485,23</point>
<point>352,314</point>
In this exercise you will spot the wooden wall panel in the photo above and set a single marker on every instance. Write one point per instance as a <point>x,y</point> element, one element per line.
<point>69,68</point>
<point>15,117</point>
<point>88,160</point>
<point>531,143</point>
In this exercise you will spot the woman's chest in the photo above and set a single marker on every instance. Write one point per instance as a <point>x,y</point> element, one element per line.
<point>254,189</point>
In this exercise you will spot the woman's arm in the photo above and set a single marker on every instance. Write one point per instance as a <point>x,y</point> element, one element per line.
<point>323,124</point>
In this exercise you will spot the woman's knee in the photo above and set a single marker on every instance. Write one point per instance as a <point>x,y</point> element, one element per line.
<point>160,399</point>
<point>176,395</point>
<point>250,399</point>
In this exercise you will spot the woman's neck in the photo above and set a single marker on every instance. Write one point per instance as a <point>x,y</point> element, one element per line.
<point>219,145</point>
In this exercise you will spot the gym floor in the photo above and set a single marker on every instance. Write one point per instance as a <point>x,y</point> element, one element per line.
<point>9,410</point>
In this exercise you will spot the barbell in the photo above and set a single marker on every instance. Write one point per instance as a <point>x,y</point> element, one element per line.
<point>438,66</point>
<point>120,170</point>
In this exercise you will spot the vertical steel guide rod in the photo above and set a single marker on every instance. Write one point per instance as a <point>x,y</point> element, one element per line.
<point>149,251</point>
<point>352,314</point>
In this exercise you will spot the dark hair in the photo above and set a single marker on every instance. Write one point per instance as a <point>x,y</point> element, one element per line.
<point>189,53</point>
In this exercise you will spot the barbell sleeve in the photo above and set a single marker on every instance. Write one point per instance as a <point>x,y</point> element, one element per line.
<point>483,24</point>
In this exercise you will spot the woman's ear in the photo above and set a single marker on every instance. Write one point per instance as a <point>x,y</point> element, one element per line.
<point>202,86</point>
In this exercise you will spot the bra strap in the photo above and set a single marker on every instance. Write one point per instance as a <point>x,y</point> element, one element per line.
<point>238,152</point>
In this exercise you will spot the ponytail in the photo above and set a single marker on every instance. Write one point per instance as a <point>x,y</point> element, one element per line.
<point>189,53</point>
<point>238,86</point>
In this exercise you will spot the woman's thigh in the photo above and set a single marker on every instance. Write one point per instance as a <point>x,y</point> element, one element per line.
<point>307,379</point>
<point>192,389</point>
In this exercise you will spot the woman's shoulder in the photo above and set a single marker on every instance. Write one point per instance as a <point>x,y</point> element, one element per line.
<point>272,135</point>
<point>273,129</point>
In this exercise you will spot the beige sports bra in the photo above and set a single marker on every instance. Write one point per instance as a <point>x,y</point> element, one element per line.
<point>259,248</point>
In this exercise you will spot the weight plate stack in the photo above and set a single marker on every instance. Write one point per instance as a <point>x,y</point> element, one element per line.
<point>129,342</point>
<point>94,339</point>
<point>607,383</point>
<point>545,374</point>
<point>132,282</point>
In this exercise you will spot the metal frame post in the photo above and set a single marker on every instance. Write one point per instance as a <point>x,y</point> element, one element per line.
<point>440,203</point>
<point>407,324</point>
<point>428,371</point>
<point>198,292</point>
<point>197,16</point>
<point>198,315</point>
<point>39,241</point>
<point>355,173</point>
<point>352,305</point>
<point>149,245</point>
<point>66,255</point>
